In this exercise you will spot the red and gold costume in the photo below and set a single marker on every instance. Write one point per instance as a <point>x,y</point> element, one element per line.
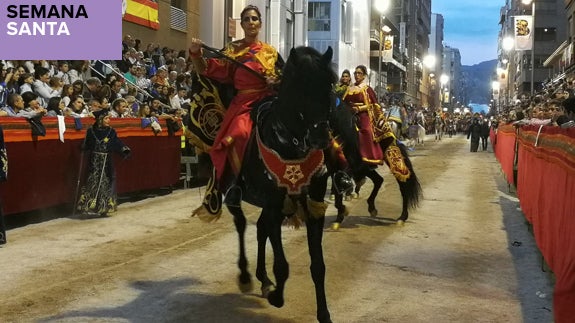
<point>232,138</point>
<point>362,99</point>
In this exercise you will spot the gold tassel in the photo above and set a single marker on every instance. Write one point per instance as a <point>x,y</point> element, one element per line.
<point>205,216</point>
<point>316,209</point>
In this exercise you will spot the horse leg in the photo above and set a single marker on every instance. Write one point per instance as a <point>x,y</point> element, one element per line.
<point>342,212</point>
<point>315,221</point>
<point>377,182</point>
<point>244,279</point>
<point>261,273</point>
<point>273,224</point>
<point>314,226</point>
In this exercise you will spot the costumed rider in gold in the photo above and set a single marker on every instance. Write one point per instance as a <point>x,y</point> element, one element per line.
<point>362,99</point>
<point>231,141</point>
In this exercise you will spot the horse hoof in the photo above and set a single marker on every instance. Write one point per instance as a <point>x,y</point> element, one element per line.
<point>354,195</point>
<point>245,283</point>
<point>400,223</point>
<point>276,299</point>
<point>266,290</point>
<point>344,213</point>
<point>373,213</point>
<point>332,197</point>
<point>246,287</point>
<point>335,226</point>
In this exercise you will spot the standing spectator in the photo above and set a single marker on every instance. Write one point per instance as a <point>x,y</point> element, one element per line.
<point>98,195</point>
<point>484,134</point>
<point>474,132</point>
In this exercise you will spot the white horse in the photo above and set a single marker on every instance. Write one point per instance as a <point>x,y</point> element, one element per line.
<point>415,136</point>
<point>438,126</point>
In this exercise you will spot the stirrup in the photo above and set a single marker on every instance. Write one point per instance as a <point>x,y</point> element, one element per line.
<point>342,182</point>
<point>233,196</point>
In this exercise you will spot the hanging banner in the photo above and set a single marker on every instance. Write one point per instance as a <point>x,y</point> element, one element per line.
<point>142,12</point>
<point>524,32</point>
<point>387,52</point>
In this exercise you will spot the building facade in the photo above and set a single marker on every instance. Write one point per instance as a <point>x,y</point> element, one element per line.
<point>526,71</point>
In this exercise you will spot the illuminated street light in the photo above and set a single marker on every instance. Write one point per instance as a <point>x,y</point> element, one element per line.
<point>429,61</point>
<point>508,43</point>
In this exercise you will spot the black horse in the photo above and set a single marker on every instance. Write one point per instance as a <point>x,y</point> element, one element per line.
<point>283,157</point>
<point>396,157</point>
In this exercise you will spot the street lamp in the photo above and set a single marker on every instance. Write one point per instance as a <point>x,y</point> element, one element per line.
<point>443,79</point>
<point>495,86</point>
<point>381,7</point>
<point>532,2</point>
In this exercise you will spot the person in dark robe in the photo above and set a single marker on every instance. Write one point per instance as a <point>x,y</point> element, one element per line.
<point>484,134</point>
<point>474,132</point>
<point>98,194</point>
<point>3,177</point>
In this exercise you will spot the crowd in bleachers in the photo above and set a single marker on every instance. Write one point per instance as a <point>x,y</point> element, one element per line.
<point>553,106</point>
<point>151,83</point>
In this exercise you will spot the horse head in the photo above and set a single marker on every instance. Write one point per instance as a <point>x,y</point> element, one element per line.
<point>305,98</point>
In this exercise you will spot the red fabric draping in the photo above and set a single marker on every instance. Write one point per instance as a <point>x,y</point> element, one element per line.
<point>43,171</point>
<point>546,187</point>
<point>505,150</point>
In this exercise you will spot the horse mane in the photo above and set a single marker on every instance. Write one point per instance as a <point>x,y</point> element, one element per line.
<point>342,122</point>
<point>303,62</point>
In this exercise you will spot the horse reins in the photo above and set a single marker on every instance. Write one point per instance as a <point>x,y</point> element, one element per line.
<point>218,53</point>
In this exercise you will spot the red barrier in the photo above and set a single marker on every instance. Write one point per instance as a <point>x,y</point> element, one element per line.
<point>43,171</point>
<point>546,187</point>
<point>505,150</point>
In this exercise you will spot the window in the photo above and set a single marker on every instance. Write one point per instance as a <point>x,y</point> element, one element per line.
<point>319,15</point>
<point>180,4</point>
<point>545,34</point>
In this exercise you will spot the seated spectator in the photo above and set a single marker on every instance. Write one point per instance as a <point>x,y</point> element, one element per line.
<point>14,106</point>
<point>569,108</point>
<point>41,86</point>
<point>76,108</point>
<point>92,87</point>
<point>32,105</point>
<point>55,107</point>
<point>56,84</point>
<point>120,109</point>
<point>25,82</point>
<point>62,72</point>
<point>67,93</point>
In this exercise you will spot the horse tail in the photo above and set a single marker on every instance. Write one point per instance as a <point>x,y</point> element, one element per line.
<point>410,188</point>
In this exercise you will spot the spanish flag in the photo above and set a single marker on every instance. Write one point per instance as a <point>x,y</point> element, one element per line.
<point>142,12</point>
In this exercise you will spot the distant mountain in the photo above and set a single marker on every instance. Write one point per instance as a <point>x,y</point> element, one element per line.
<point>478,80</point>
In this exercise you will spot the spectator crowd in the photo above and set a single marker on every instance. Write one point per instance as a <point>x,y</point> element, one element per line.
<point>151,83</point>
